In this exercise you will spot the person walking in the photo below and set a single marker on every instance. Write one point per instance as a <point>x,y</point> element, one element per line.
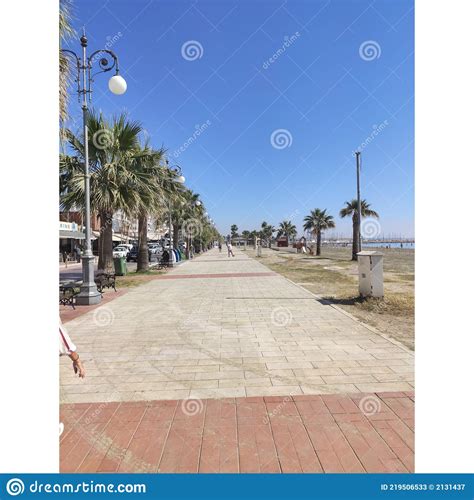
<point>220,246</point>
<point>65,256</point>
<point>67,348</point>
<point>229,249</point>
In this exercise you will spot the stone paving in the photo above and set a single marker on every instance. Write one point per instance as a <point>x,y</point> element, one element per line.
<point>224,366</point>
<point>219,327</point>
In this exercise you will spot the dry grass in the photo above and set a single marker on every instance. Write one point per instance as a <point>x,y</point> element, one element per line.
<point>137,278</point>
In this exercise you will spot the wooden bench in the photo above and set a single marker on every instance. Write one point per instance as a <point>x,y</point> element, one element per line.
<point>105,280</point>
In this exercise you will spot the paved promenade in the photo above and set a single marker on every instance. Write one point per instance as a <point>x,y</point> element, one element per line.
<point>256,359</point>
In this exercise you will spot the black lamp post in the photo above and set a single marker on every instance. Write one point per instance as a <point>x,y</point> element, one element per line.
<point>84,65</point>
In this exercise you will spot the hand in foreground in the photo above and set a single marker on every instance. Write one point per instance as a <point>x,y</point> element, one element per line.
<point>79,368</point>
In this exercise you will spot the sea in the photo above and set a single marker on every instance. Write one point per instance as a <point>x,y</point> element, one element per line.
<point>409,246</point>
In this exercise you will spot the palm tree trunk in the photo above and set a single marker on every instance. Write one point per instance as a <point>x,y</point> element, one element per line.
<point>318,242</point>
<point>105,246</point>
<point>188,249</point>
<point>142,259</point>
<point>355,236</point>
<point>175,235</point>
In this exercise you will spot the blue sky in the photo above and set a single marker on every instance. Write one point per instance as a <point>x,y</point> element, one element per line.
<point>282,92</point>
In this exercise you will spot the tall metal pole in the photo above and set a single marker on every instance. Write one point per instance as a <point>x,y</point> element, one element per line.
<point>359,203</point>
<point>88,294</point>
<point>170,234</point>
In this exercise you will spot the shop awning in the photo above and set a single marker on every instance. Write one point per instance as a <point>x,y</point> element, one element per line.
<point>73,235</point>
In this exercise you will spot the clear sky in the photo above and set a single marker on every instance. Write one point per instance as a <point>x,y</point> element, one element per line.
<point>281,93</point>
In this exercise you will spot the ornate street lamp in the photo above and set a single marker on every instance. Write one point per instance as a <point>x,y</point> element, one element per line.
<point>107,61</point>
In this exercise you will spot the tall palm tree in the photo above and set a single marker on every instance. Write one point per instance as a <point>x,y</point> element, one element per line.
<point>113,183</point>
<point>316,222</point>
<point>148,167</point>
<point>287,229</point>
<point>234,231</point>
<point>351,209</point>
<point>189,218</point>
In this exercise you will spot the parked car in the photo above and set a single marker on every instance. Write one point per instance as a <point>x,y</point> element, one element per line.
<point>155,248</point>
<point>133,254</point>
<point>120,251</point>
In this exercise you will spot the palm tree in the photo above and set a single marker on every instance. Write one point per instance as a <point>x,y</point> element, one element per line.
<point>287,229</point>
<point>148,167</point>
<point>190,218</point>
<point>65,31</point>
<point>316,222</point>
<point>234,231</point>
<point>245,234</point>
<point>114,184</point>
<point>351,209</point>
<point>267,232</point>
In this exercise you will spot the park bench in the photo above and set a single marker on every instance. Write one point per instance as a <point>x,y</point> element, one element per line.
<point>67,293</point>
<point>164,260</point>
<point>105,280</point>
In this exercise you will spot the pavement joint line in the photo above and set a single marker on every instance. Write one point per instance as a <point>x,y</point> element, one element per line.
<point>349,315</point>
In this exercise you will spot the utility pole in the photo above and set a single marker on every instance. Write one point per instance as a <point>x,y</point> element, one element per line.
<point>359,203</point>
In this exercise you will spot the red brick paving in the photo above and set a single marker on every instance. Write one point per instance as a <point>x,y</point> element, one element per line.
<point>215,275</point>
<point>257,434</point>
<point>67,313</point>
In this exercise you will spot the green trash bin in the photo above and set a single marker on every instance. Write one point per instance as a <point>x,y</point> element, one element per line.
<point>120,266</point>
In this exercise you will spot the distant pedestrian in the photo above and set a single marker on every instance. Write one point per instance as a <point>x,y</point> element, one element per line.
<point>220,246</point>
<point>67,348</point>
<point>64,254</point>
<point>229,249</point>
<point>77,253</point>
